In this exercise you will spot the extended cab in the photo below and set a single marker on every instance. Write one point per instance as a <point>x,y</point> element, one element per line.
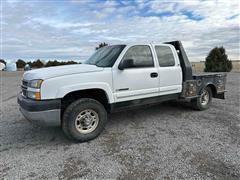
<point>79,97</point>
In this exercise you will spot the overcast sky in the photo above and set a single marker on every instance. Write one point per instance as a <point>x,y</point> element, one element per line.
<point>71,29</point>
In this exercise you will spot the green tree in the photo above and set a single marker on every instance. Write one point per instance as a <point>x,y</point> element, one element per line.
<point>20,63</point>
<point>68,63</point>
<point>101,45</point>
<point>52,63</point>
<point>37,64</point>
<point>57,63</point>
<point>217,61</point>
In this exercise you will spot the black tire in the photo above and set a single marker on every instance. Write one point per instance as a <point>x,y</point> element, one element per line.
<point>72,112</point>
<point>197,103</point>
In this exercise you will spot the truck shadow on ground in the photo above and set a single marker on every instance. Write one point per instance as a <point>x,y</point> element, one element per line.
<point>22,133</point>
<point>175,108</point>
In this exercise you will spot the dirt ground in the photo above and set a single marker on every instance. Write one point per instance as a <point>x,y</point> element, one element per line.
<point>166,141</point>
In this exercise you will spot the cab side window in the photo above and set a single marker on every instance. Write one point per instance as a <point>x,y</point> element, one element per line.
<point>165,56</point>
<point>141,56</point>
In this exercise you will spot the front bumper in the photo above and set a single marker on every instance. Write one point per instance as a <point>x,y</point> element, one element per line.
<point>45,112</point>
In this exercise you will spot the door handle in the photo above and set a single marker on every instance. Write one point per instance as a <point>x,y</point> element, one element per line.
<point>154,75</point>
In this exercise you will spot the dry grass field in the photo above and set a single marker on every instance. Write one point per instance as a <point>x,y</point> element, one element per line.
<point>199,66</point>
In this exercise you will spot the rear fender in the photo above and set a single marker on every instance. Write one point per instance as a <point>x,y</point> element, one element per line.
<point>215,94</point>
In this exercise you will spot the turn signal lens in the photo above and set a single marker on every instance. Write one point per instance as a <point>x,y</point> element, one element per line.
<point>38,96</point>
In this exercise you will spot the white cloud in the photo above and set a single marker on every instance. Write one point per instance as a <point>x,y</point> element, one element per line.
<point>73,29</point>
<point>60,24</point>
<point>158,6</point>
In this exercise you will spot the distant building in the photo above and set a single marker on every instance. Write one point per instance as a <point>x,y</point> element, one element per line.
<point>2,66</point>
<point>11,66</point>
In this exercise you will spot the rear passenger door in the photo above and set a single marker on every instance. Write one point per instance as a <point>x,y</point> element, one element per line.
<point>139,81</point>
<point>170,72</point>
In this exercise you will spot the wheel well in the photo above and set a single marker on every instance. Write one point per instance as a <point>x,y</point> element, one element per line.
<point>213,88</point>
<point>97,94</point>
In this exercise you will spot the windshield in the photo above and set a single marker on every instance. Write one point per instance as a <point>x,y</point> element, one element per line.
<point>105,56</point>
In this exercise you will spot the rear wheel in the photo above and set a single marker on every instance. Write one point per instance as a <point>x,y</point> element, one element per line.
<point>84,119</point>
<point>204,100</point>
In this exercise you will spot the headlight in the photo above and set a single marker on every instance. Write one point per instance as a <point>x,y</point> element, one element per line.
<point>33,90</point>
<point>35,83</point>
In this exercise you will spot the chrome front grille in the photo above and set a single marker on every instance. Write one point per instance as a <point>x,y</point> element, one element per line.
<point>25,83</point>
<point>24,88</point>
<point>24,92</point>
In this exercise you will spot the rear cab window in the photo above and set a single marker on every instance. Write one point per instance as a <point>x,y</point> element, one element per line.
<point>141,55</point>
<point>165,56</point>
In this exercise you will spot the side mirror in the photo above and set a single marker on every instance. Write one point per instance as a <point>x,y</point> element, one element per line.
<point>126,63</point>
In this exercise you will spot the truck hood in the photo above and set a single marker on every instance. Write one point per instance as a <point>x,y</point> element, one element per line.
<point>46,73</point>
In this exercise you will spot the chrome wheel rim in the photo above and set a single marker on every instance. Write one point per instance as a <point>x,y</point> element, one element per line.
<point>204,98</point>
<point>86,121</point>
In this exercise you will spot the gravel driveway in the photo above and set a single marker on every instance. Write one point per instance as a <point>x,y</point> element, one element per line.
<point>166,141</point>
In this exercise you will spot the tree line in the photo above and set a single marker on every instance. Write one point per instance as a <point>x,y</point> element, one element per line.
<point>39,64</point>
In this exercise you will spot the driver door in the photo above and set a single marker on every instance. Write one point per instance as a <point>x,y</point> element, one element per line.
<point>139,81</point>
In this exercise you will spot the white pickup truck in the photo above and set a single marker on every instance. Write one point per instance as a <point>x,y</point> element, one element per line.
<point>79,97</point>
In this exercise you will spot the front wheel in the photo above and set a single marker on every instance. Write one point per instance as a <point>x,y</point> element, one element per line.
<point>84,119</point>
<point>204,100</point>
